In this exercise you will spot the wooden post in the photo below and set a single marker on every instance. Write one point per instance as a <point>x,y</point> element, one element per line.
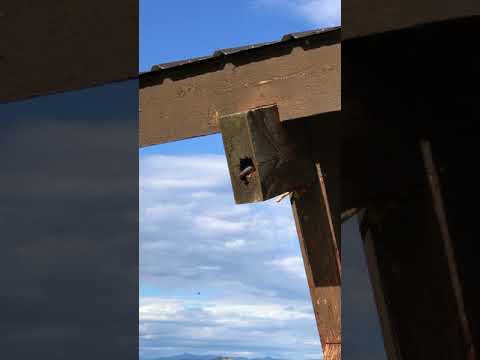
<point>267,158</point>
<point>455,184</point>
<point>413,270</point>
<point>441,217</point>
<point>322,262</point>
<point>389,338</point>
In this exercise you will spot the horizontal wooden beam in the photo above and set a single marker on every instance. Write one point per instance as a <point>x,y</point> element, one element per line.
<point>55,46</point>
<point>302,82</point>
<point>368,17</point>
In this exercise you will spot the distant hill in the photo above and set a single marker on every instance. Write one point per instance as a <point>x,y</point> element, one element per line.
<point>209,357</point>
<point>190,357</point>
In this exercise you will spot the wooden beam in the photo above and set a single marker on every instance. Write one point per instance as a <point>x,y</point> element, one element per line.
<point>264,158</point>
<point>381,107</point>
<point>388,330</point>
<point>323,135</point>
<point>51,46</point>
<point>441,217</point>
<point>368,17</point>
<point>302,81</point>
<point>411,270</point>
<point>258,135</point>
<point>453,152</point>
<point>332,352</point>
<point>322,263</point>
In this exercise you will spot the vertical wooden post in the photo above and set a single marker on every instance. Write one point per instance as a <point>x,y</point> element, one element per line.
<point>322,262</point>
<point>441,216</point>
<point>389,337</point>
<point>413,270</point>
<point>282,158</point>
<point>455,184</point>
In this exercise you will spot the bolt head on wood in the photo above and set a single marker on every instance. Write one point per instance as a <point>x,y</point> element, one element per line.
<point>264,158</point>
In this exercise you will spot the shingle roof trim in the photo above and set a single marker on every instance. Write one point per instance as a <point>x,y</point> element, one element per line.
<point>236,50</point>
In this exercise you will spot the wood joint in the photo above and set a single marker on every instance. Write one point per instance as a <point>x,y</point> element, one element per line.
<point>265,159</point>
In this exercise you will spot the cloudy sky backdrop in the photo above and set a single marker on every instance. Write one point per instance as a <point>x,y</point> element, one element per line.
<point>216,277</point>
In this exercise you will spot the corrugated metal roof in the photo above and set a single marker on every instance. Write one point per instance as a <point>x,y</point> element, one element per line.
<point>230,51</point>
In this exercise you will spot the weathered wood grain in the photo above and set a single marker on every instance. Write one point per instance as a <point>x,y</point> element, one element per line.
<point>333,352</point>
<point>264,158</point>
<point>322,263</point>
<point>283,160</point>
<point>304,82</point>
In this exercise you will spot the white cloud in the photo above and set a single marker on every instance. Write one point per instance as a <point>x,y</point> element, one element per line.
<point>231,276</point>
<point>216,224</point>
<point>292,265</point>
<point>223,312</point>
<point>319,13</point>
<point>238,267</point>
<point>163,173</point>
<point>235,244</point>
<point>225,327</point>
<point>160,309</point>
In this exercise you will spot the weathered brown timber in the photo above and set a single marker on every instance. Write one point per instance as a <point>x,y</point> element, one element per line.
<point>281,156</point>
<point>322,263</point>
<point>453,153</point>
<point>396,91</point>
<point>323,136</point>
<point>411,269</point>
<point>53,46</point>
<point>333,352</point>
<point>368,17</point>
<point>390,339</point>
<point>302,78</point>
<point>395,87</point>
<point>441,216</point>
<point>264,159</point>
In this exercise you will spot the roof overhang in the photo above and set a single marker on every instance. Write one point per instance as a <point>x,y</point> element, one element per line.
<point>300,74</point>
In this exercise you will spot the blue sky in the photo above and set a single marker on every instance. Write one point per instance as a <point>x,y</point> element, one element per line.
<point>216,277</point>
<point>175,30</point>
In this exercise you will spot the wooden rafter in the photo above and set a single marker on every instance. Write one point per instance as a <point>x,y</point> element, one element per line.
<point>302,79</point>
